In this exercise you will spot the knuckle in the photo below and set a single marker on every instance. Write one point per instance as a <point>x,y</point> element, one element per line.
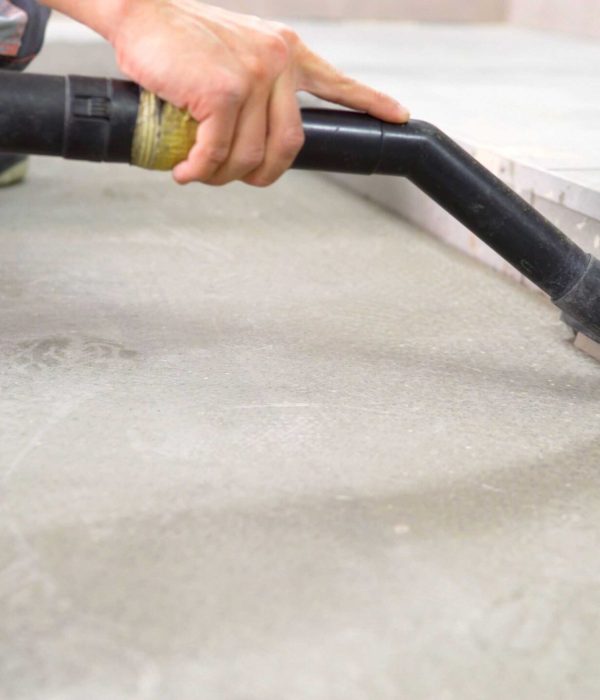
<point>291,142</point>
<point>258,67</point>
<point>215,154</point>
<point>269,57</point>
<point>277,48</point>
<point>233,89</point>
<point>252,159</point>
<point>287,34</point>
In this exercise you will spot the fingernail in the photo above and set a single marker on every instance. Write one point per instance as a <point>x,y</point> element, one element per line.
<point>403,112</point>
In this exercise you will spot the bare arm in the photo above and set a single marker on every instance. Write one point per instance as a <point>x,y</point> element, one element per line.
<point>236,74</point>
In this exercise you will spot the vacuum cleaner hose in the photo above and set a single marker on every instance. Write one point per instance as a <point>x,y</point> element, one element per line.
<point>101,119</point>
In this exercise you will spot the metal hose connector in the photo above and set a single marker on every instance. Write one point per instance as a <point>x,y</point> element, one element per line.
<point>163,134</point>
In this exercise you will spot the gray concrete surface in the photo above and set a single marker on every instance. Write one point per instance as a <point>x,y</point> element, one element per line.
<point>279,444</point>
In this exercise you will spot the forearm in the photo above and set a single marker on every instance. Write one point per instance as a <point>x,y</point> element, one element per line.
<point>102,16</point>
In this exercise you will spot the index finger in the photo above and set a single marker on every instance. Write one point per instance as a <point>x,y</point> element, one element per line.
<point>321,79</point>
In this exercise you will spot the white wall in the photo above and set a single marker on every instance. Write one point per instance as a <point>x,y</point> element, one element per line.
<point>573,16</point>
<point>434,10</point>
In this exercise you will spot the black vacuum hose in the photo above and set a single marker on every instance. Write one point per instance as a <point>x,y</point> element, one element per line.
<point>101,119</point>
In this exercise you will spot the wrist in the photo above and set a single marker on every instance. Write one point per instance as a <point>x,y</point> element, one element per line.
<point>103,16</point>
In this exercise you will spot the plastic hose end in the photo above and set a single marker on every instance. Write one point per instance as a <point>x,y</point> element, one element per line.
<point>581,304</point>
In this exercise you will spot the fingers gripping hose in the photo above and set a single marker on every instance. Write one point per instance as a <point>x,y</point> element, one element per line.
<point>114,120</point>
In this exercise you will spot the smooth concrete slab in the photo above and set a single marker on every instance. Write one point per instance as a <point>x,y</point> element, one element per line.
<point>279,444</point>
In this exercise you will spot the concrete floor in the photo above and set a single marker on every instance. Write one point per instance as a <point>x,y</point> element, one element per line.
<point>265,445</point>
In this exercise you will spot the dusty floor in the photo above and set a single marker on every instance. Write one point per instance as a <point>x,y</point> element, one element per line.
<point>266,445</point>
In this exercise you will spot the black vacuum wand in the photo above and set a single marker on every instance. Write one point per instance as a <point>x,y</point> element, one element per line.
<point>113,120</point>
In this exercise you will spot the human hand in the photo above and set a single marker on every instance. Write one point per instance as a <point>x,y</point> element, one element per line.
<point>237,75</point>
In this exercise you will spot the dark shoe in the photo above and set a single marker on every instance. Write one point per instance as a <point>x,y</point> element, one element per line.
<point>12,169</point>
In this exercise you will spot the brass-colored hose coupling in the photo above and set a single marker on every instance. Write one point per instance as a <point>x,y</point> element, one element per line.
<point>163,134</point>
